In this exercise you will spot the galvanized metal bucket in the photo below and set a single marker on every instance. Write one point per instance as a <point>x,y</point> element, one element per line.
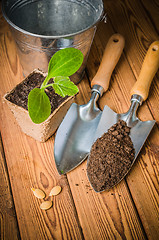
<point>42,27</point>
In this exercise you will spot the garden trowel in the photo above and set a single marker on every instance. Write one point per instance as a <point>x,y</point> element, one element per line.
<point>75,135</point>
<point>139,130</point>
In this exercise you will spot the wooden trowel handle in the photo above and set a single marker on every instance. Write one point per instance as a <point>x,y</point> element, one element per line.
<point>110,58</point>
<point>148,71</point>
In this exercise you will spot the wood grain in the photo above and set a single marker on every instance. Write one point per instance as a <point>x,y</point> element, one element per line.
<point>128,211</point>
<point>8,227</point>
<point>152,9</point>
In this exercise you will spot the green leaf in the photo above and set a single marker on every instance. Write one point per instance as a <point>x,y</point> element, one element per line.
<point>64,87</point>
<point>65,62</point>
<point>38,105</point>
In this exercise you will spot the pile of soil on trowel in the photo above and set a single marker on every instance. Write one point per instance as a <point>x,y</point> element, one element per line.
<point>111,157</point>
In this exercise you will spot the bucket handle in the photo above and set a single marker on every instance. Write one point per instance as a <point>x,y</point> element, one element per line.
<point>104,17</point>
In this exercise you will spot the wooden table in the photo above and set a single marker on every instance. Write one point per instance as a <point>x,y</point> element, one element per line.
<point>128,211</point>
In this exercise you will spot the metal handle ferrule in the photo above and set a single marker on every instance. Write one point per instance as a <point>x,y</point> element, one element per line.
<point>99,89</point>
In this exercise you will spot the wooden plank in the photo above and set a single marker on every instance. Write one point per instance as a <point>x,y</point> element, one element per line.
<point>152,10</point>
<point>143,179</point>
<point>8,222</point>
<point>30,164</point>
<point>8,226</point>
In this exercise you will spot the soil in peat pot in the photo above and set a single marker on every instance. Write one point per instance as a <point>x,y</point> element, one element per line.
<point>19,95</point>
<point>111,157</point>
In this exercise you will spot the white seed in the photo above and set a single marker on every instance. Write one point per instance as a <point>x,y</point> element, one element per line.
<point>38,193</point>
<point>55,191</point>
<point>46,205</point>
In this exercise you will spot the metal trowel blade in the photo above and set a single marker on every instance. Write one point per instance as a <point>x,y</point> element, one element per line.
<point>138,133</point>
<point>74,137</point>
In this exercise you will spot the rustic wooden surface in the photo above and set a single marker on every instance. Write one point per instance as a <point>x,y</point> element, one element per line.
<point>128,211</point>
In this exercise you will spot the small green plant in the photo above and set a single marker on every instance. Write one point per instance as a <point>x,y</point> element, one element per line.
<point>62,65</point>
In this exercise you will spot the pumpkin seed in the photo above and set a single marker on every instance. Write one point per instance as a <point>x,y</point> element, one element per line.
<point>55,191</point>
<point>38,193</point>
<point>46,205</point>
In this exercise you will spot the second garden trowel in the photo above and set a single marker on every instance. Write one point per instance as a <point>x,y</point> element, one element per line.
<point>139,93</point>
<point>75,135</point>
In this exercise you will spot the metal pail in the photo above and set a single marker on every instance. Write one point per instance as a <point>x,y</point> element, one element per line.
<point>42,27</point>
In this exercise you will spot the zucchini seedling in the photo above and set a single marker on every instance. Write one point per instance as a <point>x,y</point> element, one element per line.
<point>62,65</point>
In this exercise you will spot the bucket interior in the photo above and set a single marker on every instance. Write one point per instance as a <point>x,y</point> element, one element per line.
<point>53,17</point>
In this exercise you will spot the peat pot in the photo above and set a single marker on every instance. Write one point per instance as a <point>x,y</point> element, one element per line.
<point>46,129</point>
<point>42,27</point>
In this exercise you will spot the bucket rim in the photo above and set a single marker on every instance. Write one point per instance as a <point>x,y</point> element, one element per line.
<point>50,36</point>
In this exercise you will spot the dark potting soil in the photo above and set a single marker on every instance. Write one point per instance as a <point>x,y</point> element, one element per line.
<point>111,157</point>
<point>19,95</point>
